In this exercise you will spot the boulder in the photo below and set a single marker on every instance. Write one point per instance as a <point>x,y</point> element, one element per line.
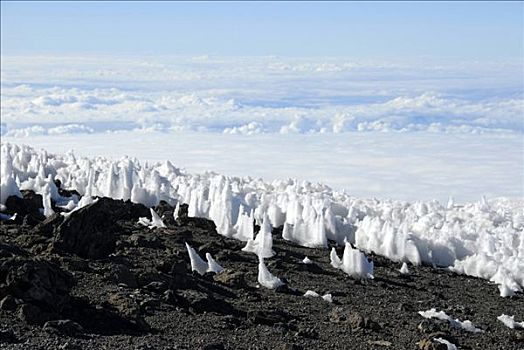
<point>355,319</point>
<point>30,203</point>
<point>66,327</point>
<point>36,282</point>
<point>90,231</point>
<point>32,314</point>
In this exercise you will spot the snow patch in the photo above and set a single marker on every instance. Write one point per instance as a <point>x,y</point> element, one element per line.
<point>509,321</point>
<point>481,238</point>
<point>441,315</point>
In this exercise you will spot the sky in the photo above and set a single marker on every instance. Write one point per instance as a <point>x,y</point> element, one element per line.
<point>467,30</point>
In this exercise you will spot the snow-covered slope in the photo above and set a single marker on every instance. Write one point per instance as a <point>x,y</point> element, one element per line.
<point>483,239</point>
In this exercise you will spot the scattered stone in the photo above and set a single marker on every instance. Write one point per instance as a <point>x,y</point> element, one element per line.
<point>353,318</point>
<point>338,315</point>
<point>129,309</point>
<point>231,278</point>
<point>66,327</point>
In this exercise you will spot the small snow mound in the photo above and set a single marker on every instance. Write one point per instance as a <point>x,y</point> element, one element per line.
<point>307,261</point>
<point>311,294</point>
<point>509,321</point>
<point>404,269</point>
<point>266,279</point>
<point>328,297</point>
<point>441,315</point>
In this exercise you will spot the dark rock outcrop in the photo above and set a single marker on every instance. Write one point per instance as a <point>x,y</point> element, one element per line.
<point>42,285</point>
<point>90,232</point>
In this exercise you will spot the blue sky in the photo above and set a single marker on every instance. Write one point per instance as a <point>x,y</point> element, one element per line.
<point>472,30</point>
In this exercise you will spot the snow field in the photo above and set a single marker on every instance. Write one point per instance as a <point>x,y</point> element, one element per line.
<point>483,239</point>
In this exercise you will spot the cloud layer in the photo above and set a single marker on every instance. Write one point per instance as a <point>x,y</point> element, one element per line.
<point>258,95</point>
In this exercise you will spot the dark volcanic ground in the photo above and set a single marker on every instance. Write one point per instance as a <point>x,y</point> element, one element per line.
<point>100,280</point>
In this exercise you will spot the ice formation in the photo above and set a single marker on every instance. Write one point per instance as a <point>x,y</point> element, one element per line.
<point>450,345</point>
<point>482,239</point>
<point>353,262</point>
<point>201,266</point>
<point>197,263</point>
<point>8,185</point>
<point>262,245</point>
<point>404,269</point>
<point>509,321</point>
<point>212,265</point>
<point>175,212</point>
<point>266,279</point>
<point>155,221</point>
<point>441,315</point>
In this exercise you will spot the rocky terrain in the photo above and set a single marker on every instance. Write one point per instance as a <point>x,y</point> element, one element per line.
<point>97,279</point>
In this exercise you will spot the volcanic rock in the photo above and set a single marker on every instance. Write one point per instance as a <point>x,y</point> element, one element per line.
<point>90,232</point>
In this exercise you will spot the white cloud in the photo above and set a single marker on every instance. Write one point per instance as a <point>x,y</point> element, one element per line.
<point>292,95</point>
